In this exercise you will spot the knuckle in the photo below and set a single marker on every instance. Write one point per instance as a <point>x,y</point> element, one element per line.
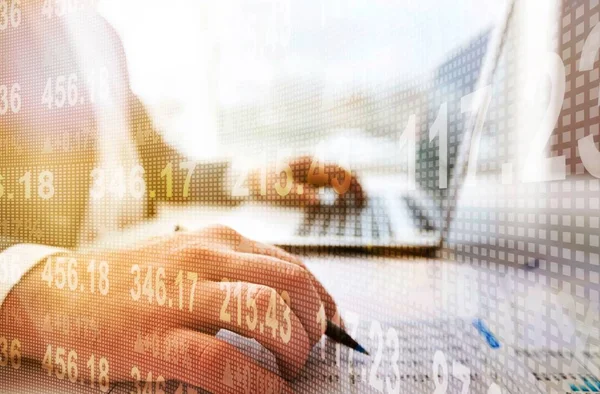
<point>203,256</point>
<point>210,353</point>
<point>298,278</point>
<point>224,230</point>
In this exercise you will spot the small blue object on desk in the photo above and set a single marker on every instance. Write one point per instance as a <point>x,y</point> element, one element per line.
<point>486,333</point>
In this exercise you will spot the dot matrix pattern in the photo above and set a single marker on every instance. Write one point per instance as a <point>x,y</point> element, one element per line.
<point>512,242</point>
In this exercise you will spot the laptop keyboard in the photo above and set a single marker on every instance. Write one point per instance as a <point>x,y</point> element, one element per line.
<point>372,222</point>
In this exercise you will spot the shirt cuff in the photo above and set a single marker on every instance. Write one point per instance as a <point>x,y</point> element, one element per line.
<point>17,260</point>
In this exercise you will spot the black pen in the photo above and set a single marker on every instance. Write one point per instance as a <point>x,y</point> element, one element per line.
<point>338,335</point>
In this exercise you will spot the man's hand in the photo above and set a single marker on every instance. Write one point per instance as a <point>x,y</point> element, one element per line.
<point>181,289</point>
<point>298,180</point>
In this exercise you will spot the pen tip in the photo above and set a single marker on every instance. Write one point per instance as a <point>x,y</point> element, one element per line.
<point>362,350</point>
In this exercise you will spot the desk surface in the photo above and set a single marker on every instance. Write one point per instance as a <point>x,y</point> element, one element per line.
<point>404,311</point>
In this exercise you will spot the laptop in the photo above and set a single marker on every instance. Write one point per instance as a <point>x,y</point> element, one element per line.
<point>402,211</point>
<point>406,207</point>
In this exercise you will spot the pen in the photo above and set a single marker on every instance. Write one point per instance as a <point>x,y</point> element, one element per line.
<point>337,334</point>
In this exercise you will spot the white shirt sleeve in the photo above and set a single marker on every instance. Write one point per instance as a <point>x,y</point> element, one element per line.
<point>17,260</point>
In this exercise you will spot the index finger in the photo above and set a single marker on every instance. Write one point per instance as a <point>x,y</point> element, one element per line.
<point>250,246</point>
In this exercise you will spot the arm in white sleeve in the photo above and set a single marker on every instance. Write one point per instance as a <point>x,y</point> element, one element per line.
<point>17,260</point>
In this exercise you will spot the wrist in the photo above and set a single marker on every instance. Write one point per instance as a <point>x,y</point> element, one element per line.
<point>24,309</point>
<point>17,322</point>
